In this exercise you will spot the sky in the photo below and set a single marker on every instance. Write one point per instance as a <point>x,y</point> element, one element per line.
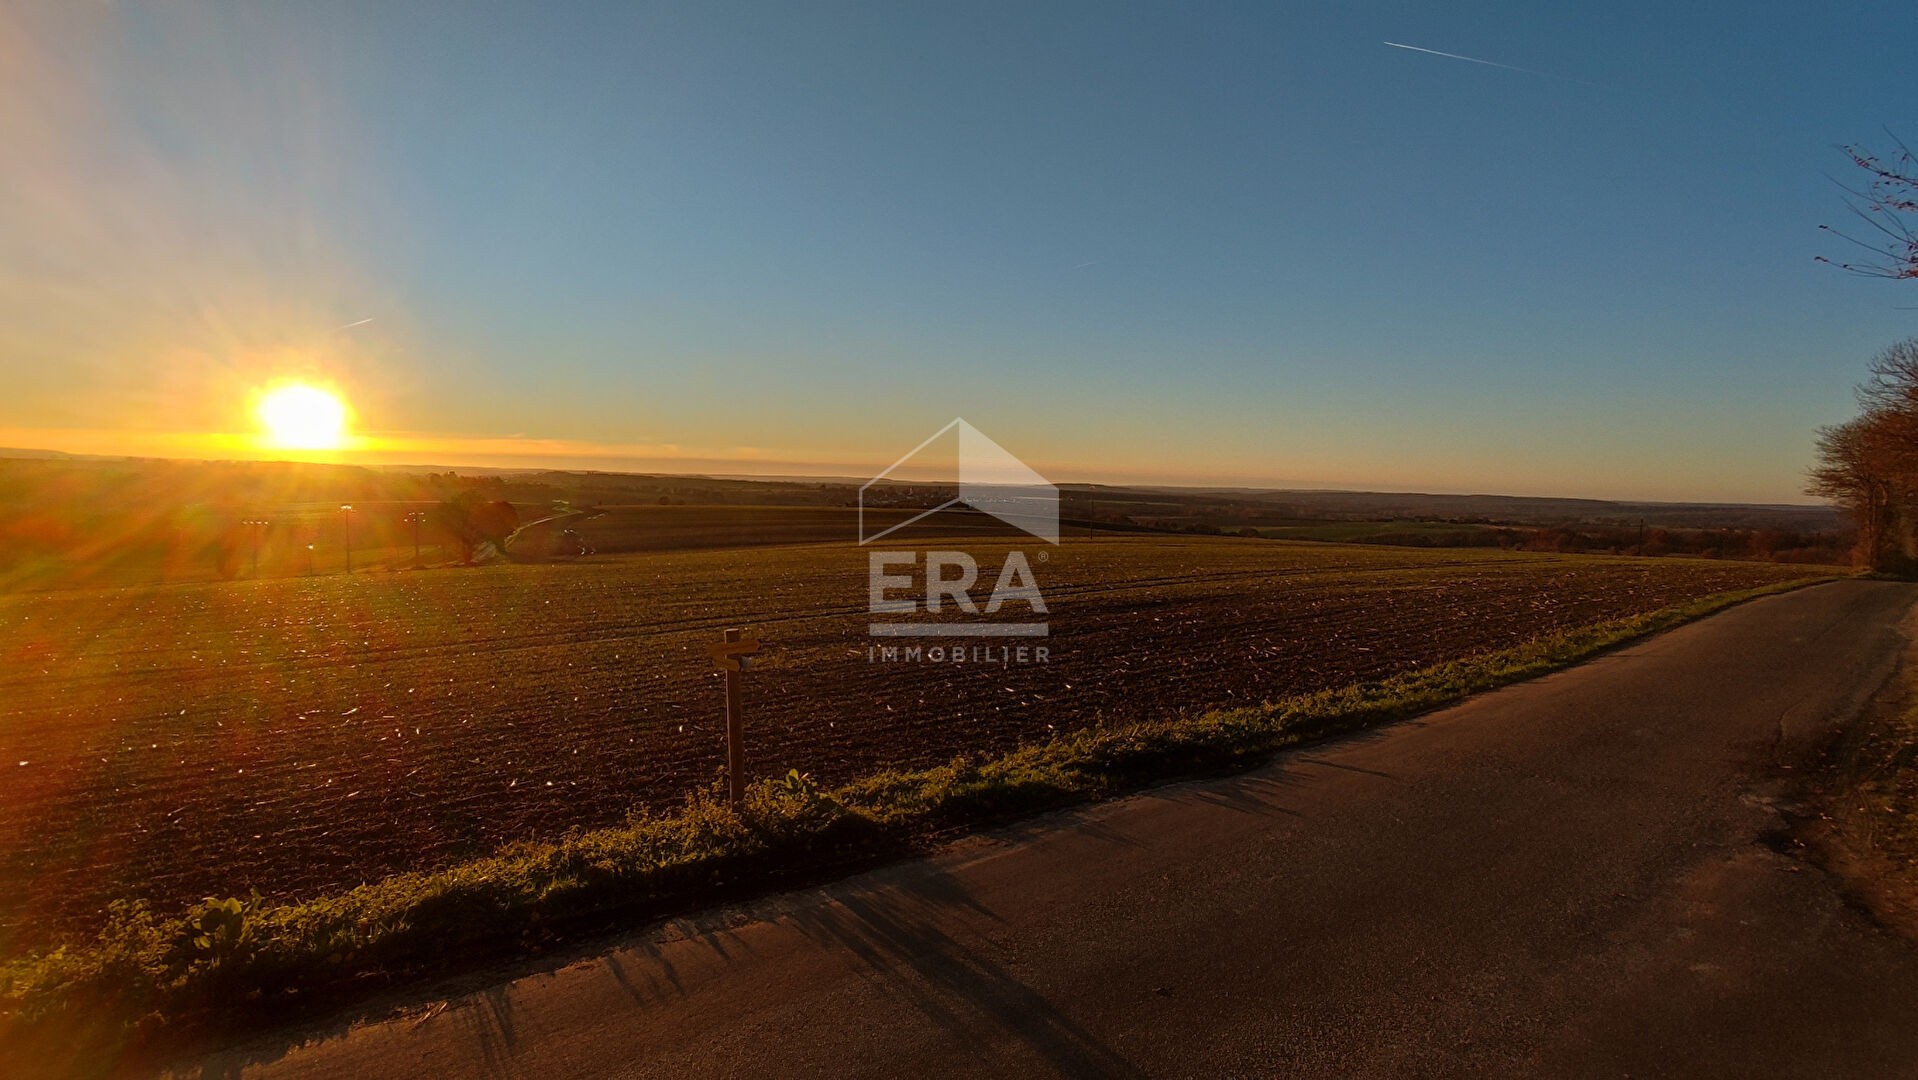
<point>1246,244</point>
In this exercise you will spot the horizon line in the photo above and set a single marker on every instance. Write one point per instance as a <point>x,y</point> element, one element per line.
<point>614,465</point>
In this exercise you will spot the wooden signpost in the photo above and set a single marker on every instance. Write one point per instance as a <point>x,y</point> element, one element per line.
<point>734,657</point>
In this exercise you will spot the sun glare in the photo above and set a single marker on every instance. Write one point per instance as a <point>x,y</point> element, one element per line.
<point>297,416</point>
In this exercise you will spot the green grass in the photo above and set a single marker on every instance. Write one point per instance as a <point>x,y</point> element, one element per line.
<point>226,962</point>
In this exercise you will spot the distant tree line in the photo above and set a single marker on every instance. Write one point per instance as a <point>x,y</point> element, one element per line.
<point>463,525</point>
<point>1756,545</point>
<point>97,521</point>
<point>1869,465</point>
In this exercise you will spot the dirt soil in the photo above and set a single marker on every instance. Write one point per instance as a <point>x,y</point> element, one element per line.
<point>299,736</point>
<point>1864,806</point>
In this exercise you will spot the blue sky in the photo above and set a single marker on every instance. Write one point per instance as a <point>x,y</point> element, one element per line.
<point>1214,243</point>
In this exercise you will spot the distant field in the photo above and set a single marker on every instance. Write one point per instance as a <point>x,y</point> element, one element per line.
<point>307,734</point>
<point>1416,533</point>
<point>685,528</point>
<point>380,543</point>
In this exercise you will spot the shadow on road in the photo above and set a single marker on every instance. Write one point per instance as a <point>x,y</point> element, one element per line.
<point>896,934</point>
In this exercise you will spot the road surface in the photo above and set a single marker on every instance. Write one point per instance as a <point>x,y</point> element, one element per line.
<point>1569,877</point>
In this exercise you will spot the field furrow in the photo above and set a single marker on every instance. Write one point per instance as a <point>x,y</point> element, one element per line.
<point>307,734</point>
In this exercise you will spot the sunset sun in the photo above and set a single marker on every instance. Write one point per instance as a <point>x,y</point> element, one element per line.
<point>298,416</point>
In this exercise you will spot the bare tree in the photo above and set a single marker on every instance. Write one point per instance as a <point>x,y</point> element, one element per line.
<point>1869,466</point>
<point>1893,386</point>
<point>1890,192</point>
<point>1847,473</point>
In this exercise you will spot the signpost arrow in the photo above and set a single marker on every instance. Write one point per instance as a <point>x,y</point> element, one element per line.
<point>734,653</point>
<point>734,656</point>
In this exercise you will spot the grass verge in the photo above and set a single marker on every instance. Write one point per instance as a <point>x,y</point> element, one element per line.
<point>152,978</point>
<point>1866,804</point>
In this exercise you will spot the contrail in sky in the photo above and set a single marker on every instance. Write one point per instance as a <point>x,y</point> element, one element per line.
<point>1487,63</point>
<point>351,325</point>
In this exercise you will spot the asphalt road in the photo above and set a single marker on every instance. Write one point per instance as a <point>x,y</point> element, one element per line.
<point>1571,877</point>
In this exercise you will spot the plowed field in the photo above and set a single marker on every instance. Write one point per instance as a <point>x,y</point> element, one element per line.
<point>307,734</point>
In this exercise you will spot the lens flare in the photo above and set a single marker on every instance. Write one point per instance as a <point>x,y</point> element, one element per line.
<point>299,416</point>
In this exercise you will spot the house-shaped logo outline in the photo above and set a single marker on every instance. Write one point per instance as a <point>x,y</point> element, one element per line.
<point>991,481</point>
